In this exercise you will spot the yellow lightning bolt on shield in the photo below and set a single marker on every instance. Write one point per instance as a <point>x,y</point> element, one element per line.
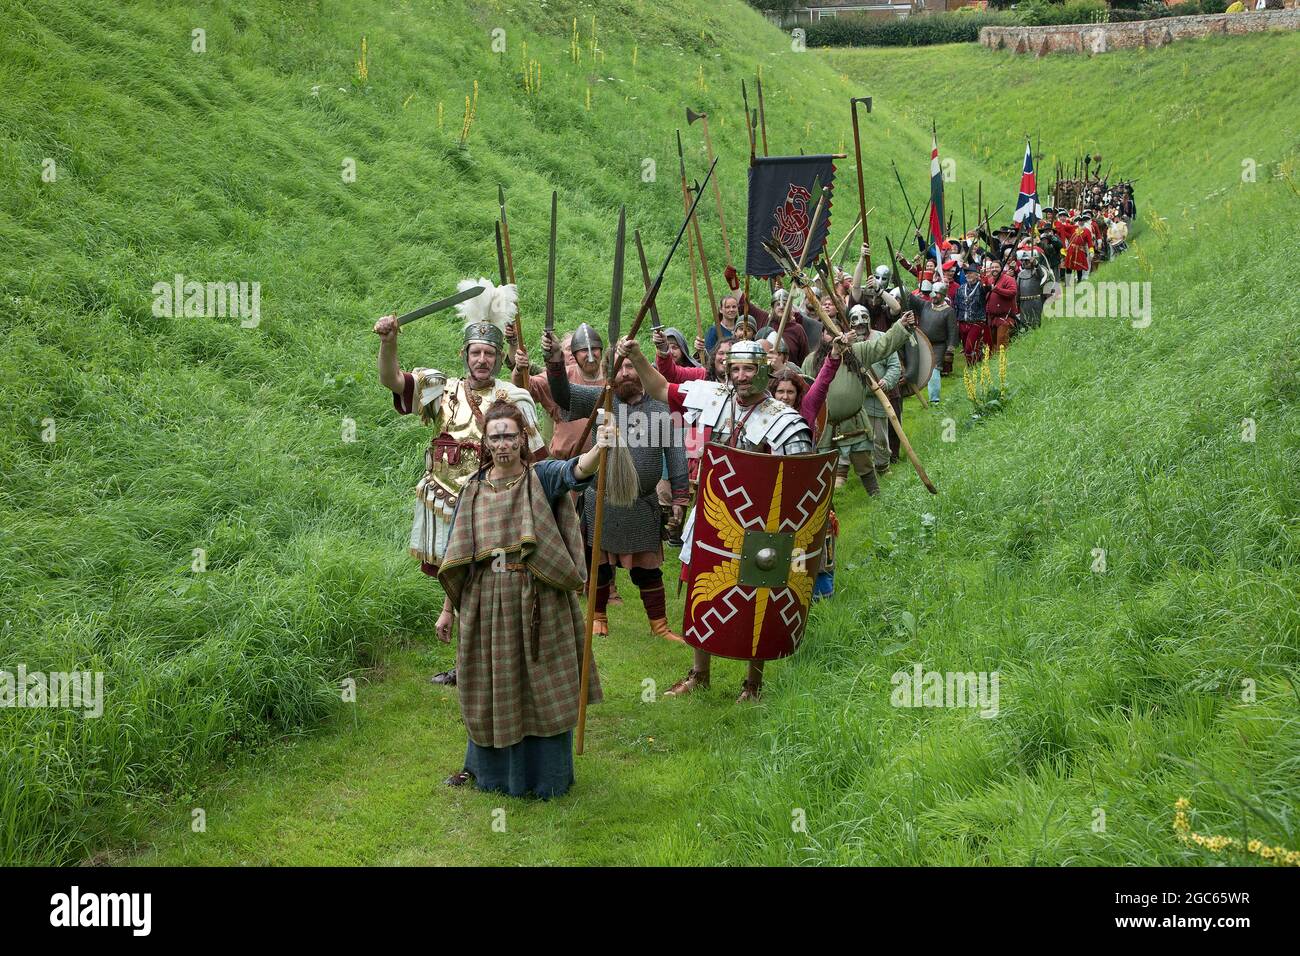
<point>773,525</point>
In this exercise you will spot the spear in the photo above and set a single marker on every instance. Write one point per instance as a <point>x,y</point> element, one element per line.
<point>597,552</point>
<point>645,276</point>
<point>690,241</point>
<point>857,153</point>
<point>749,126</point>
<point>505,233</point>
<point>762,115</point>
<point>699,240</point>
<point>550,267</point>
<point>905,199</point>
<point>691,117</point>
<point>648,301</point>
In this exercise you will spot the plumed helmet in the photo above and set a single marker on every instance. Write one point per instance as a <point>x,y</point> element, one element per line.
<point>486,315</point>
<point>749,351</point>
<point>585,338</point>
<point>487,334</point>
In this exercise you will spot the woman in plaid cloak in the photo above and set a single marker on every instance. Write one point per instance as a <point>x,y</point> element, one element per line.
<point>513,571</point>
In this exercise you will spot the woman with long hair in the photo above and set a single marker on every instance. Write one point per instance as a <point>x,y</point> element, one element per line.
<point>513,571</point>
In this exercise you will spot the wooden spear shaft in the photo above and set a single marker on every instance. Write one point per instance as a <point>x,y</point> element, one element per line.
<point>717,194</point>
<point>593,568</point>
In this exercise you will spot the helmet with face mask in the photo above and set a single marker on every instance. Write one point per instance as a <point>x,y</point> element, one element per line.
<point>859,316</point>
<point>751,352</point>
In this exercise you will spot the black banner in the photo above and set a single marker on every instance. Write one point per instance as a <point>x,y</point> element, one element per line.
<point>781,206</point>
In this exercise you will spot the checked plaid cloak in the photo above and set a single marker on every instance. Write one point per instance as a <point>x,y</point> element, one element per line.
<point>514,569</point>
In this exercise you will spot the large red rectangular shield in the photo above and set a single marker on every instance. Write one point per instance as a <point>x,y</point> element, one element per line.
<point>758,543</point>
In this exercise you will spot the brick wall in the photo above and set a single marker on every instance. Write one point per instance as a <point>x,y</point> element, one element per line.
<point>1091,38</point>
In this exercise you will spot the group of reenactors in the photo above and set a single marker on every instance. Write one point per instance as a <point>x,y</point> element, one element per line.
<point>766,415</point>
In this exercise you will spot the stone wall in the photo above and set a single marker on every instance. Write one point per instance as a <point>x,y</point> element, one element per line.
<point>1091,38</point>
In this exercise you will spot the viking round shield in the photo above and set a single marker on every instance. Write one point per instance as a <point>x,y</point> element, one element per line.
<point>918,361</point>
<point>760,525</point>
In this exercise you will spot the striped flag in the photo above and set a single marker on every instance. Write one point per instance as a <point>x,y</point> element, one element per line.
<point>1027,208</point>
<point>937,241</point>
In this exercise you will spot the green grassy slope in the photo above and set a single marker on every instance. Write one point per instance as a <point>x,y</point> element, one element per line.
<point>177,434</point>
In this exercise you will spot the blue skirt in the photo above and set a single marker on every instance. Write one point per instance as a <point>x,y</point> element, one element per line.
<point>536,766</point>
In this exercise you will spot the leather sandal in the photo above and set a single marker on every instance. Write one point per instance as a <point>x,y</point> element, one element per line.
<point>749,691</point>
<point>694,680</point>
<point>459,779</point>
<point>600,624</point>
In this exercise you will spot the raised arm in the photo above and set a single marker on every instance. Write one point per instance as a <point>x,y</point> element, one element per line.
<point>390,372</point>
<point>656,386</point>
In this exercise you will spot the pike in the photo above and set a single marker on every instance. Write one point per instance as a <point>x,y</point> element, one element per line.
<point>849,235</point>
<point>857,152</point>
<point>699,240</point>
<point>691,117</point>
<point>615,306</point>
<point>441,304</point>
<point>645,277</point>
<point>648,301</point>
<point>762,115</point>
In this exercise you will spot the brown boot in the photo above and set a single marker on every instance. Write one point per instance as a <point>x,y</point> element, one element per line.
<point>749,690</point>
<point>870,482</point>
<point>599,624</point>
<point>659,628</point>
<point>694,680</point>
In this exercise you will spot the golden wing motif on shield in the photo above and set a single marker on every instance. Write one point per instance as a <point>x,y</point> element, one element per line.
<point>722,521</point>
<point>804,536</point>
<point>710,584</point>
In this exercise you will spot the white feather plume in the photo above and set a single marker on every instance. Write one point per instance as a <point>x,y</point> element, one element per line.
<point>498,304</point>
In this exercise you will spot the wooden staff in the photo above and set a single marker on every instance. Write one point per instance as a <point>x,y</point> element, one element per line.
<point>615,306</point>
<point>691,117</point>
<point>690,241</point>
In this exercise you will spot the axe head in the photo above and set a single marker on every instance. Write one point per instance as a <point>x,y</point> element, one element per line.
<point>692,116</point>
<point>862,99</point>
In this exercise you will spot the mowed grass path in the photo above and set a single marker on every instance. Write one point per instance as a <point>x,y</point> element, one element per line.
<point>367,787</point>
